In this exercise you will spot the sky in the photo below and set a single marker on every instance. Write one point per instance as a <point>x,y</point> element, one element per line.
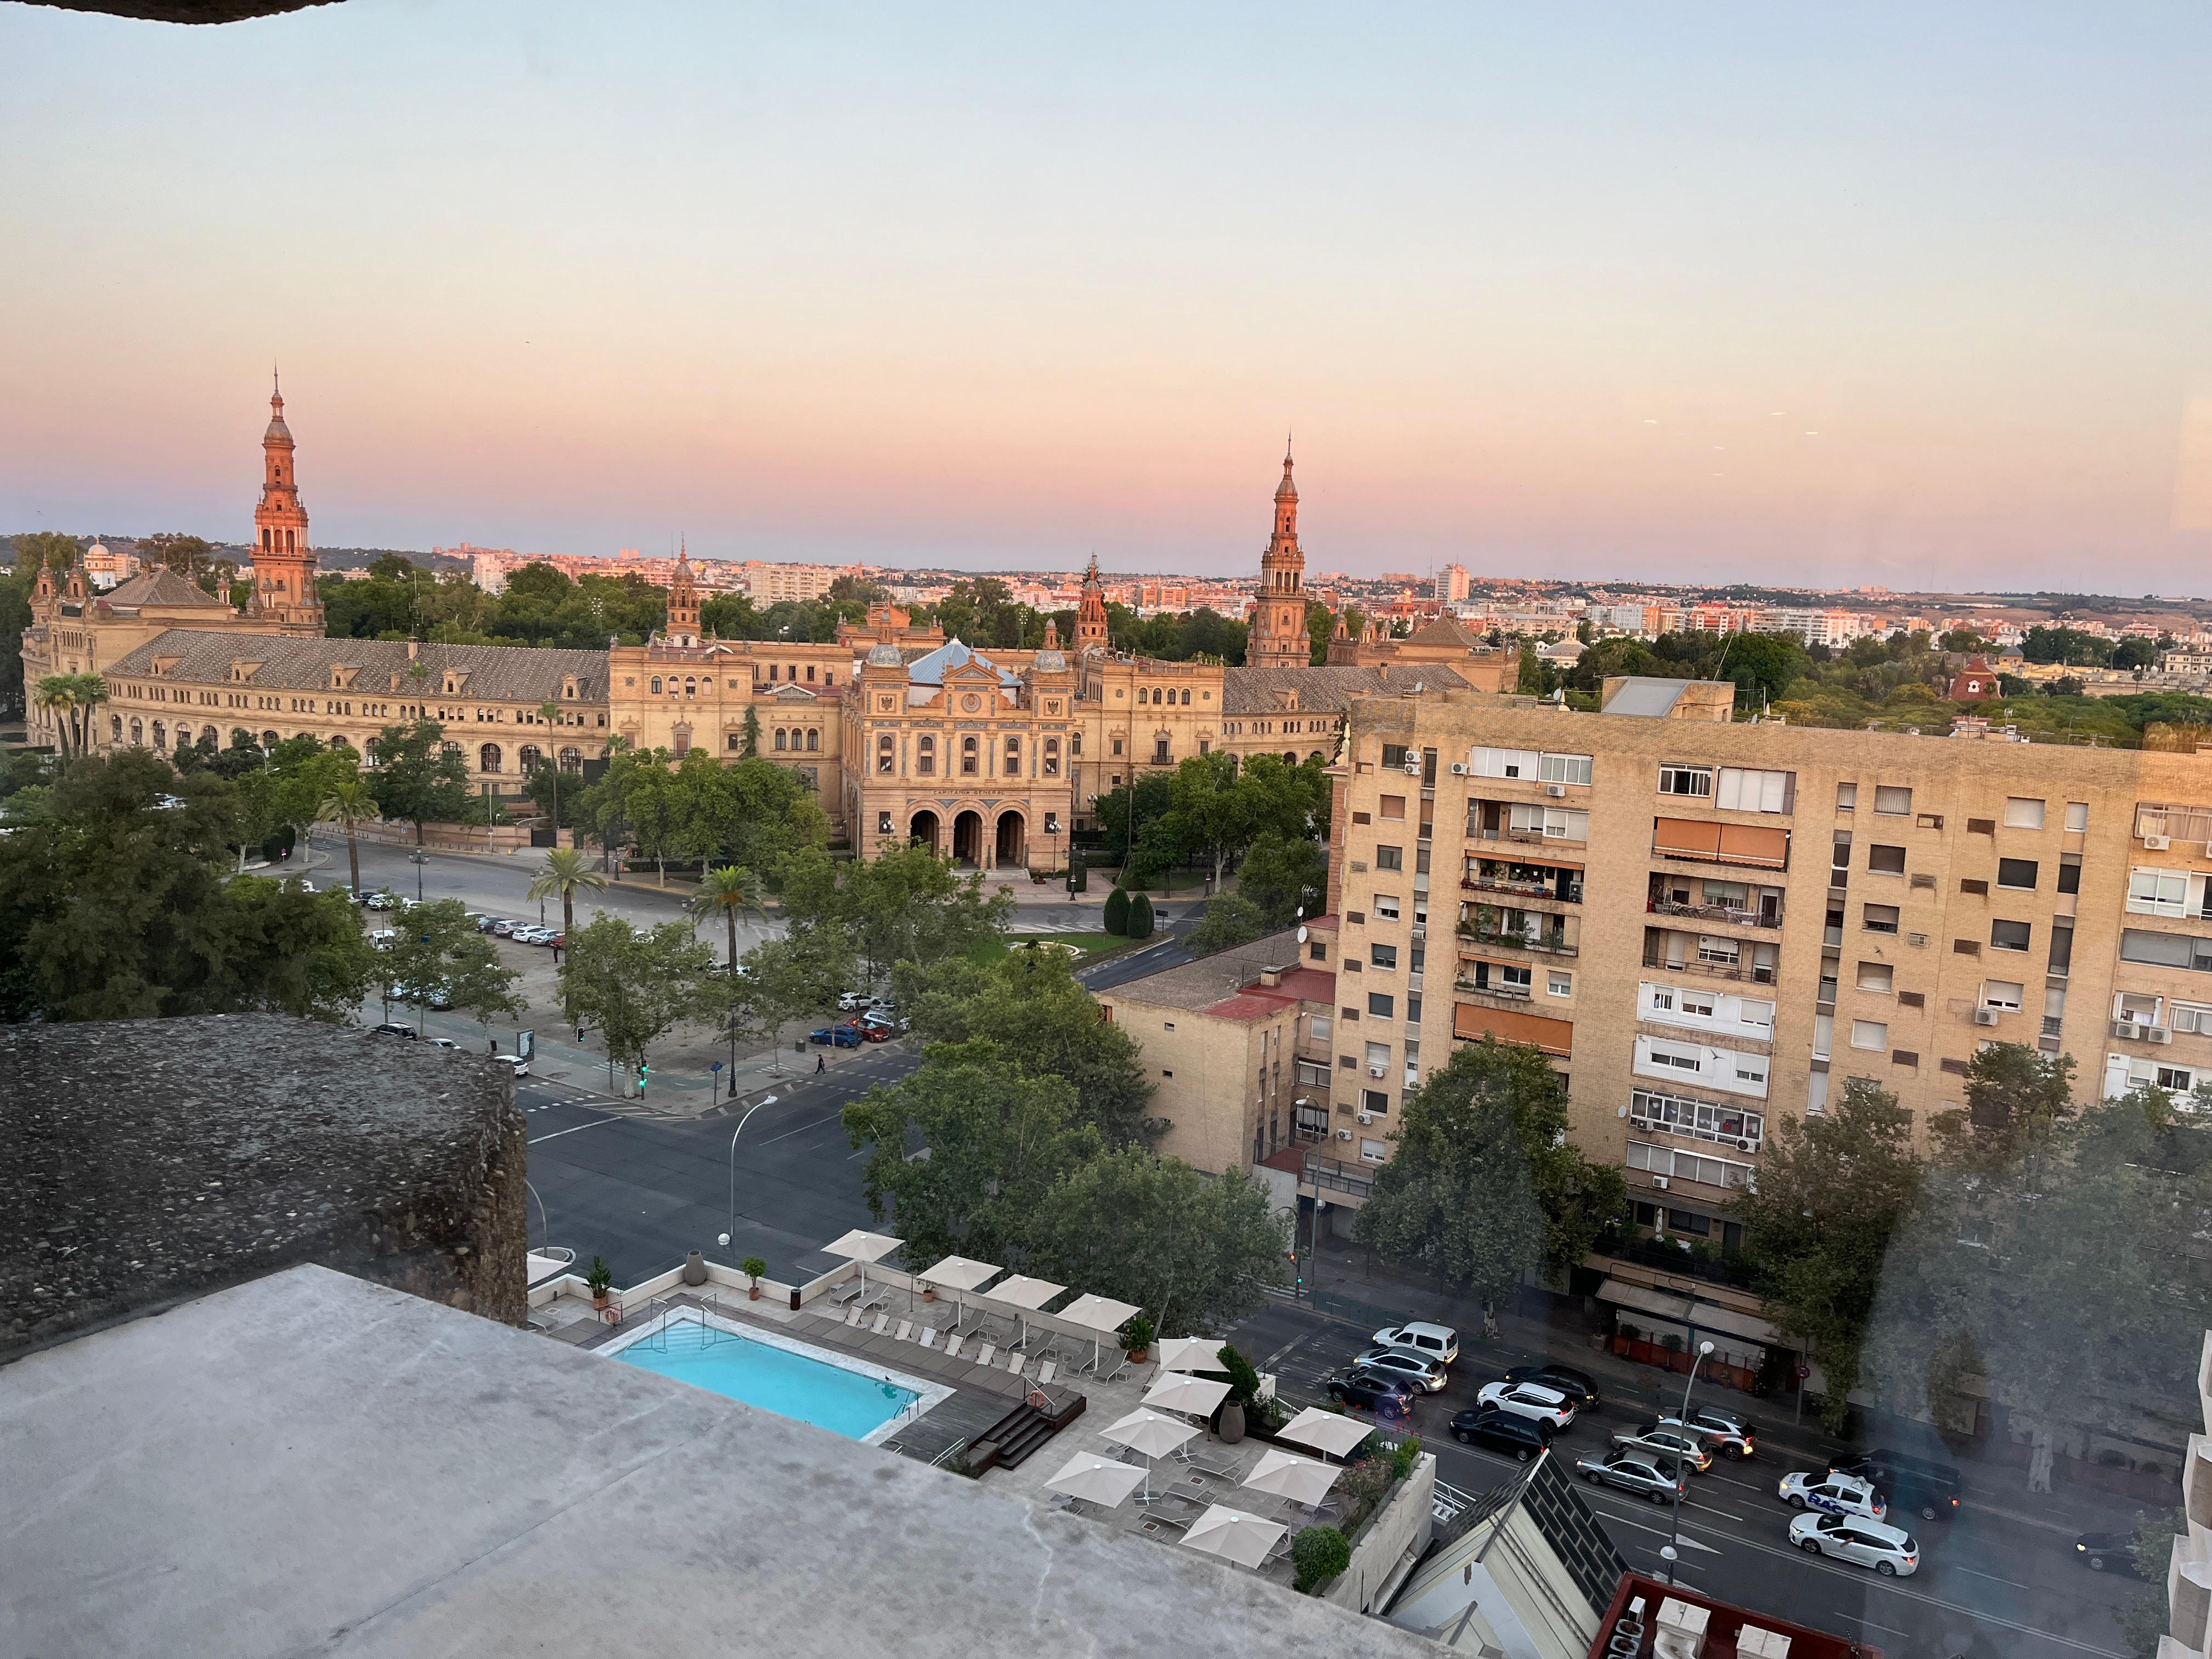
<point>1828,296</point>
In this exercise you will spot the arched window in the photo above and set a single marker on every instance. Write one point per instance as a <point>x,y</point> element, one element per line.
<point>967,757</point>
<point>1013,757</point>
<point>571,760</point>
<point>138,732</point>
<point>116,720</point>
<point>269,739</point>
<point>265,539</point>
<point>1052,758</point>
<point>527,758</point>
<point>1186,699</point>
<point>160,736</point>
<point>488,758</point>
<point>813,738</point>
<point>451,748</point>
<point>925,755</point>
<point>656,685</point>
<point>289,545</point>
<point>779,740</point>
<point>1075,743</point>
<point>691,687</point>
<point>886,756</point>
<point>829,677</point>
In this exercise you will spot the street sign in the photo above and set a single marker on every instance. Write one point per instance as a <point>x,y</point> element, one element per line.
<point>1804,1371</point>
<point>525,1043</point>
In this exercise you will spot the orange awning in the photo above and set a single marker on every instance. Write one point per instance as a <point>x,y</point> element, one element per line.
<point>1552,1036</point>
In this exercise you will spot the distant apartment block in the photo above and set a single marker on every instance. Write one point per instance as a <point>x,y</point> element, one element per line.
<point>1452,584</point>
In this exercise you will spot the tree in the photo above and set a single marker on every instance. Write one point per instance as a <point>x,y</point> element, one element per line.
<point>1231,920</point>
<point>550,713</point>
<point>116,905</point>
<point>49,549</point>
<point>2014,1099</point>
<point>189,557</point>
<point>1140,917</point>
<point>907,905</point>
<point>794,977</point>
<point>350,805</point>
<point>750,734</point>
<point>635,986</point>
<point>1761,664</point>
<point>418,778</point>
<point>1196,1253</point>
<point>1043,1021</point>
<point>56,694</point>
<point>439,956</point>
<point>1318,1554</point>
<point>1115,917</point>
<point>563,876</point>
<point>1832,1191</point>
<point>726,892</point>
<point>1286,878</point>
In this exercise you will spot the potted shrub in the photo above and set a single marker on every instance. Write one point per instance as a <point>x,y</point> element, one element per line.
<point>1318,1554</point>
<point>601,1279</point>
<point>1136,1338</point>
<point>753,1268</point>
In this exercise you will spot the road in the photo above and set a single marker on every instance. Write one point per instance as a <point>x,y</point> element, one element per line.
<point>1991,1585</point>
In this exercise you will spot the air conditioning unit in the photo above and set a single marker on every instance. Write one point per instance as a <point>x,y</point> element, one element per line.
<point>1376,1071</point>
<point>1459,768</point>
<point>2158,843</point>
<point>1556,791</point>
<point>1413,769</point>
<point>2157,1034</point>
<point>2127,1031</point>
<point>1367,1117</point>
<point>1343,1134</point>
<point>1985,1015</point>
<point>1660,1182</point>
<point>1743,1142</point>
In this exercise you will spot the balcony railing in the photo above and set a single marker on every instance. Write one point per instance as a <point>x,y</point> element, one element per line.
<point>1333,1175</point>
<point>1551,941</point>
<point>1727,914</point>
<point>1572,893</point>
<point>1501,993</point>
<point>1751,973</point>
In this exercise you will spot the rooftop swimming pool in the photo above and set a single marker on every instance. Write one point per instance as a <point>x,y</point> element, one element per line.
<point>791,1379</point>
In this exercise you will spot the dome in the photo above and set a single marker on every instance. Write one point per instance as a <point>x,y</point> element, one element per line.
<point>885,655</point>
<point>97,551</point>
<point>1050,662</point>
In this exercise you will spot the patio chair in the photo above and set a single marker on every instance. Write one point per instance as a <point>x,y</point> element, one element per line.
<point>905,1331</point>
<point>929,1336</point>
<point>953,1345</point>
<point>1046,1372</point>
<point>1016,1361</point>
<point>987,1354</point>
<point>1121,1363</point>
<point>881,1326</point>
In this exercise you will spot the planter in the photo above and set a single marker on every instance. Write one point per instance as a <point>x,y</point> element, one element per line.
<point>753,1294</point>
<point>599,1299</point>
<point>1137,1355</point>
<point>1230,1429</point>
<point>695,1268</point>
<point>929,1295</point>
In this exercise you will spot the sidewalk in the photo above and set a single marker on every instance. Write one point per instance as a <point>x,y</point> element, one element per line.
<point>1367,1295</point>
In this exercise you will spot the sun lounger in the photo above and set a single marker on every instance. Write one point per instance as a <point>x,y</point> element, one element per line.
<point>881,1326</point>
<point>952,1347</point>
<point>1157,1524</point>
<point>905,1331</point>
<point>1046,1372</point>
<point>929,1336</point>
<point>988,1354</point>
<point>853,1314</point>
<point>1015,1361</point>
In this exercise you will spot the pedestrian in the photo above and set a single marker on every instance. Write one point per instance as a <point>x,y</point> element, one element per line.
<point>491,1047</point>
<point>1489,1322</point>
<point>821,1064</point>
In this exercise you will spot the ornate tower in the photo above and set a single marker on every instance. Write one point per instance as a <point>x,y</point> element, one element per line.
<point>1279,637</point>
<point>1090,615</point>
<point>284,563</point>
<point>683,603</point>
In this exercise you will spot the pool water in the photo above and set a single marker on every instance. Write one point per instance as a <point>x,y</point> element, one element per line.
<point>829,1396</point>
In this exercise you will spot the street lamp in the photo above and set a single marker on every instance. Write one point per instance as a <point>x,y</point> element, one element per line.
<point>1682,1475</point>
<point>765,1100</point>
<point>418,860</point>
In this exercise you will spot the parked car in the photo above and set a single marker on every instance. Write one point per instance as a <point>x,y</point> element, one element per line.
<point>485,924</point>
<point>393,1028</point>
<point>880,1017</point>
<point>1519,1437</point>
<point>872,1033</point>
<point>1926,1487</point>
<point>444,1042</point>
<point>853,1002</point>
<point>1674,1445</point>
<point>532,934</point>
<point>1890,1551</point>
<point>1529,1399</point>
<point>1438,1342</point>
<point>380,937</point>
<point>1636,1471</point>
<point>2108,1552</point>
<point>1832,1494</point>
<point>1578,1386</point>
<point>840,1036</point>
<point>560,941</point>
<point>1724,1431</point>
<point>476,919</point>
<point>521,1066</point>
<point>1371,1391</point>
<point>502,927</point>
<point>1427,1374</point>
<point>380,901</point>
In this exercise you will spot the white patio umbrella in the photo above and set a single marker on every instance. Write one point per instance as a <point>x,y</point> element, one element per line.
<point>1026,1293</point>
<point>1234,1535</point>
<point>1327,1431</point>
<point>1149,1433</point>
<point>956,1273</point>
<point>863,1248</point>
<point>1196,1395</point>
<point>1100,1313</point>
<point>1191,1353</point>
<point>1286,1474</point>
<point>1096,1480</point>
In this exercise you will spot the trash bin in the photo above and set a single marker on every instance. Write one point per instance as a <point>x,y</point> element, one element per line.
<point>798,1045</point>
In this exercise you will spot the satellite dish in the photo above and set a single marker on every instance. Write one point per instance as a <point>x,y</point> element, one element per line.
<point>1302,933</point>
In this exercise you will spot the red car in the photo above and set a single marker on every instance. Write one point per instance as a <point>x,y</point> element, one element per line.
<point>872,1033</point>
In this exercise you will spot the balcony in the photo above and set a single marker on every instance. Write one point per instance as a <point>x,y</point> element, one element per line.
<point>1329,1175</point>
<point>1561,886</point>
<point>1767,915</point>
<point>1498,996</point>
<point>1747,973</point>
<point>1522,931</point>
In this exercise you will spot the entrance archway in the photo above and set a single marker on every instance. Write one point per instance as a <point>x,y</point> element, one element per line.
<point>1012,849</point>
<point>968,838</point>
<point>927,830</point>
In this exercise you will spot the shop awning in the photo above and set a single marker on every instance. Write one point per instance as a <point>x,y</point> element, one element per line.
<point>1699,1316</point>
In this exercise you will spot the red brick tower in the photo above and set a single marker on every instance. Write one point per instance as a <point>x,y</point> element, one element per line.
<point>284,563</point>
<point>1090,616</point>
<point>1279,637</point>
<point>683,603</point>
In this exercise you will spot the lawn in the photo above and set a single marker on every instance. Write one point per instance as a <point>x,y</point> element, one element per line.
<point>1084,944</point>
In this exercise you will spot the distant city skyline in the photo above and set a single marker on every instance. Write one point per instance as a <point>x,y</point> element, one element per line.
<point>1813,300</point>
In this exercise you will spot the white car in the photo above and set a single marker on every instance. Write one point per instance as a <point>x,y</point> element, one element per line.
<point>380,939</point>
<point>1427,1374</point>
<point>1890,1551</point>
<point>1436,1342</point>
<point>1832,1494</point>
<point>521,1066</point>
<point>851,1002</point>
<point>1527,1400</point>
<point>444,1042</point>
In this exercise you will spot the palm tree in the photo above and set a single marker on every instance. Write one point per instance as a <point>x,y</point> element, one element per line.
<point>91,692</point>
<point>563,873</point>
<point>56,694</point>
<point>729,890</point>
<point>351,805</point>
<point>552,714</point>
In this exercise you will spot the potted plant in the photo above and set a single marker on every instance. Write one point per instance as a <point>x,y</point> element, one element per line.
<point>752,1267</point>
<point>600,1279</point>
<point>1136,1338</point>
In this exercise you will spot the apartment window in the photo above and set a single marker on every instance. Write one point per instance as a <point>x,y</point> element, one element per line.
<point>1560,984</point>
<point>1372,1151</point>
<point>1378,1058</point>
<point>1320,1027</point>
<point>1886,861</point>
<point>1892,799</point>
<point>1384,956</point>
<point>1878,977</point>
<point>1870,1034</point>
<point>1847,797</point>
<point>1394,755</point>
<point>1374,1100</point>
<point>1677,1114</point>
<point>1386,907</point>
<point>2077,815</point>
<point>1680,1165</point>
<point>2191,1016</point>
<point>1317,950</point>
<point>925,759</point>
<point>2010,935</point>
<point>2069,873</point>
<point>1718,952</point>
<point>1677,779</point>
<point>1389,857</point>
<point>1382,1005</point>
<point>2017,873</point>
<point>2062,950</point>
<point>1412,1016</point>
<point>2002,995</point>
<point>1746,791</point>
<point>2158,892</point>
<point>1840,858</point>
<point>2022,813</point>
<point>1667,1054</point>
<point>883,753</point>
<point>968,758</point>
<point>1564,769</point>
<point>1392,806</point>
<point>2165,949</point>
<point>1420,956</point>
<point>1880,918</point>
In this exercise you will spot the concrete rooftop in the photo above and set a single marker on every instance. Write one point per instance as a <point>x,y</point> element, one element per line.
<point>310,1463</point>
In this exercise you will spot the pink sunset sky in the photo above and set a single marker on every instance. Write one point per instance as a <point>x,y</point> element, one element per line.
<point>1796,294</point>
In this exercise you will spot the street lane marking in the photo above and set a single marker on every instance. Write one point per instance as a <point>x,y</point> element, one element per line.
<point>579,1129</point>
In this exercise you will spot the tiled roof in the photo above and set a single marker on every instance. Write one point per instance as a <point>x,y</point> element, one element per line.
<point>1210,984</point>
<point>1328,690</point>
<point>1642,695</point>
<point>495,672</point>
<point>159,586</point>
<point>1448,630</point>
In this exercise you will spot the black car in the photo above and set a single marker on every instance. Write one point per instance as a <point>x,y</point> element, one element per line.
<point>2108,1552</point>
<point>1519,1437</point>
<point>1371,1391</point>
<point>1578,1386</point>
<point>1925,1486</point>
